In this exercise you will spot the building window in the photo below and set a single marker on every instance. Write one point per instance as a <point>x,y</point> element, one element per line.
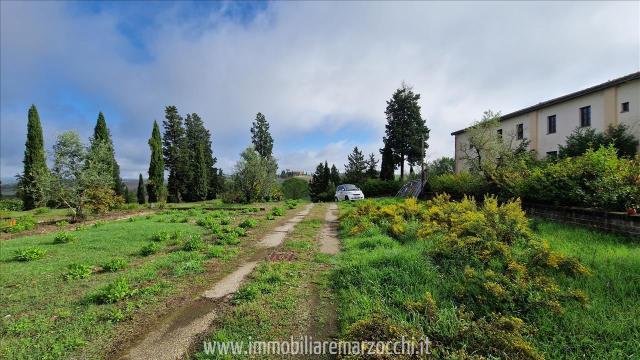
<point>520,131</point>
<point>625,107</point>
<point>585,116</point>
<point>499,131</point>
<point>551,124</point>
<point>552,154</point>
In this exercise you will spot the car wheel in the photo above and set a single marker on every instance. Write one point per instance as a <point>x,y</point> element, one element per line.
<point>346,198</point>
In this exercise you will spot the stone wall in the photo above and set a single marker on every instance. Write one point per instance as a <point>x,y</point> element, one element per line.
<point>616,222</point>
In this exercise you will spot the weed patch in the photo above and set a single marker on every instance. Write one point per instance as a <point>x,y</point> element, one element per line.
<point>30,254</point>
<point>64,237</point>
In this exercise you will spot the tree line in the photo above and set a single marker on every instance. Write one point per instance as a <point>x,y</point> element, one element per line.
<point>89,175</point>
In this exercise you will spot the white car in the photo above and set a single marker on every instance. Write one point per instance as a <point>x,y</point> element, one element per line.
<point>348,192</point>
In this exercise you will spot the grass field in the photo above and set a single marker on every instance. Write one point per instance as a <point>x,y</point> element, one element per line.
<point>80,285</point>
<point>390,287</point>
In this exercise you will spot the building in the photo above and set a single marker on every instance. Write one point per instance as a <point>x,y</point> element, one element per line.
<point>547,124</point>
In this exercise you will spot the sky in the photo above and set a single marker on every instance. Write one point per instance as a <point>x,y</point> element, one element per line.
<point>321,72</point>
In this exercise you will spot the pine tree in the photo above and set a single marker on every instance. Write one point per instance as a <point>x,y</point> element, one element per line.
<point>141,194</point>
<point>354,170</point>
<point>102,134</point>
<point>372,164</point>
<point>260,136</point>
<point>155,185</point>
<point>174,150</point>
<point>387,167</point>
<point>319,186</point>
<point>405,129</point>
<point>335,175</point>
<point>34,162</point>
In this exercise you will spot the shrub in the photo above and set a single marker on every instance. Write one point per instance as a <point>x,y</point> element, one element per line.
<point>295,188</point>
<point>277,211</point>
<point>114,265</point>
<point>11,204</point>
<point>19,224</point>
<point>459,185</point>
<point>193,266</point>
<point>292,204</point>
<point>160,236</point>
<point>41,210</point>
<point>62,223</point>
<point>117,290</point>
<point>150,249</point>
<point>29,254</point>
<point>248,223</point>
<point>240,231</point>
<point>270,217</point>
<point>78,271</point>
<point>229,239</point>
<point>377,187</point>
<point>64,237</point>
<point>194,243</point>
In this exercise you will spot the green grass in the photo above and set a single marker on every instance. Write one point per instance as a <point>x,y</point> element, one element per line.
<point>68,297</point>
<point>609,326</point>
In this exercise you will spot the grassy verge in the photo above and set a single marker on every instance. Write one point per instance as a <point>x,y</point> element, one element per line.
<point>274,303</point>
<point>479,284</point>
<point>79,286</point>
<point>609,326</point>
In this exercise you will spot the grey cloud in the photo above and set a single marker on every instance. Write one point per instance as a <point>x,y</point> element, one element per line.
<point>305,63</point>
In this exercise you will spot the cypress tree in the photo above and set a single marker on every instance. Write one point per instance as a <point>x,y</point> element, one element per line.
<point>155,185</point>
<point>142,194</point>
<point>260,136</point>
<point>372,163</point>
<point>101,133</point>
<point>200,175</point>
<point>387,166</point>
<point>174,150</point>
<point>34,161</point>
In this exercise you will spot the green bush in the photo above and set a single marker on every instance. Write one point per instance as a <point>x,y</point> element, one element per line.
<point>277,211</point>
<point>11,204</point>
<point>229,239</point>
<point>160,236</point>
<point>458,185</point>
<point>240,231</point>
<point>78,271</point>
<point>19,224</point>
<point>41,210</point>
<point>29,254</point>
<point>118,290</point>
<point>150,249</point>
<point>295,188</point>
<point>377,187</point>
<point>62,223</point>
<point>194,243</point>
<point>248,223</point>
<point>270,217</point>
<point>597,179</point>
<point>114,265</point>
<point>64,237</point>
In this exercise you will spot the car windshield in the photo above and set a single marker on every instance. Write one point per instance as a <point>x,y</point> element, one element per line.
<point>350,188</point>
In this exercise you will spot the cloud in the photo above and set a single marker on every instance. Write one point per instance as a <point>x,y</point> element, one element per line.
<point>321,72</point>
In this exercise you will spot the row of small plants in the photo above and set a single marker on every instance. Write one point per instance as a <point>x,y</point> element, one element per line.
<point>467,276</point>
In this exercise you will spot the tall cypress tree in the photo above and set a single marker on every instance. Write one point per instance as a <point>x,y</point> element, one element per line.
<point>200,161</point>
<point>354,170</point>
<point>34,161</point>
<point>261,137</point>
<point>155,185</point>
<point>387,167</point>
<point>101,134</point>
<point>141,194</point>
<point>335,175</point>
<point>174,150</point>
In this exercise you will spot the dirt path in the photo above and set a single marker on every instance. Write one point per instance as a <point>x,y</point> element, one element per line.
<point>178,333</point>
<point>329,243</point>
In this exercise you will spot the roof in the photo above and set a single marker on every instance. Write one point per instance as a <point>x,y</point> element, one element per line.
<point>605,85</point>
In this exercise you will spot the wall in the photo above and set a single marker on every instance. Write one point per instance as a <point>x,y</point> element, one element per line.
<point>629,92</point>
<point>605,221</point>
